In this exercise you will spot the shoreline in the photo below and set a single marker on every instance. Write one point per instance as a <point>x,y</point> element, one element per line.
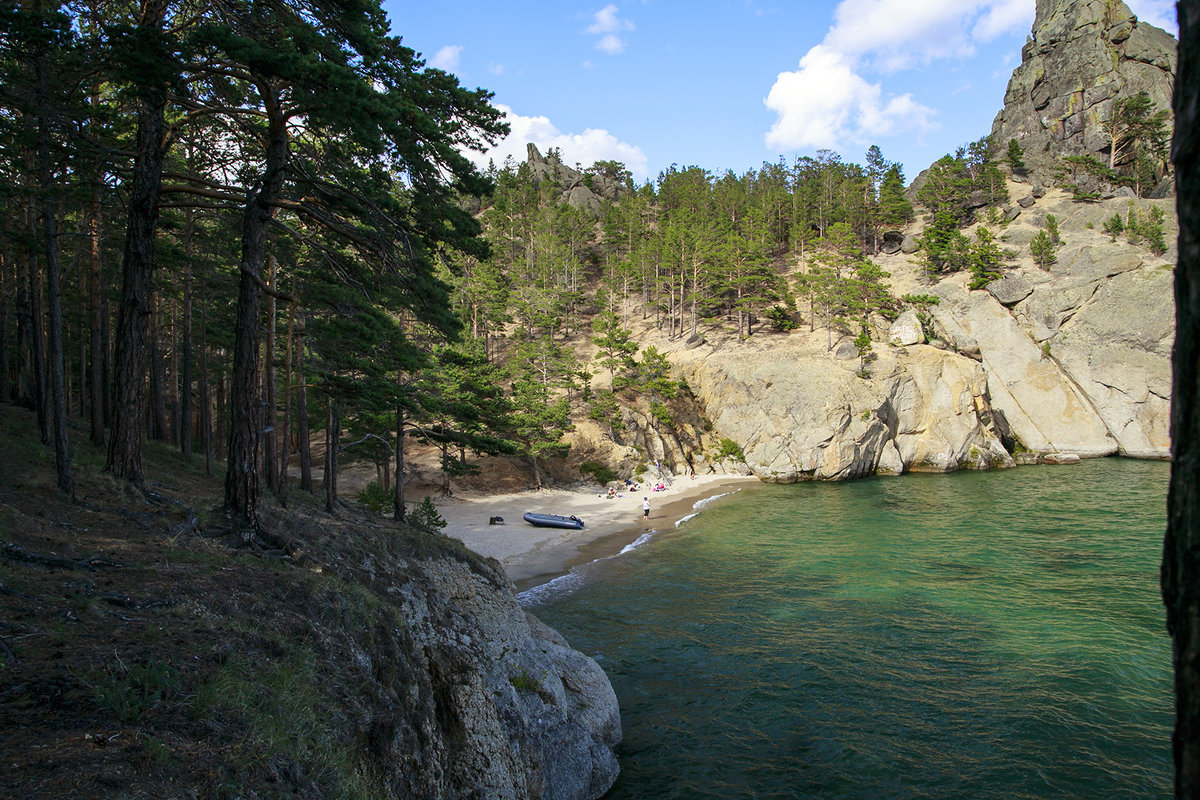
<point>531,556</point>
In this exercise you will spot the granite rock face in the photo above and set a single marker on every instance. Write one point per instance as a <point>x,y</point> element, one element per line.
<point>1078,356</point>
<point>1083,55</point>
<point>577,189</point>
<point>801,414</point>
<point>502,707</point>
<point>1073,361</point>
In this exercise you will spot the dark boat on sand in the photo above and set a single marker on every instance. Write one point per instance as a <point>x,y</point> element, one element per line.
<point>553,520</point>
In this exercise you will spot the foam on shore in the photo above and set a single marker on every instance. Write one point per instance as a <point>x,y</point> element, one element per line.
<point>545,588</point>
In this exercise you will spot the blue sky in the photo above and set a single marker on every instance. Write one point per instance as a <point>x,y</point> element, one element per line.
<point>729,84</point>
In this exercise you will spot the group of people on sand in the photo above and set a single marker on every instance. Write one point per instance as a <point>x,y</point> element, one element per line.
<point>658,487</point>
<point>632,486</point>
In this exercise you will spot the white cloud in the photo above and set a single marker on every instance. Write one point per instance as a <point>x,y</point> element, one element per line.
<point>827,101</point>
<point>606,21</point>
<point>610,43</point>
<point>447,58</point>
<point>1005,16</point>
<point>584,148</point>
<point>609,26</point>
<point>1159,13</point>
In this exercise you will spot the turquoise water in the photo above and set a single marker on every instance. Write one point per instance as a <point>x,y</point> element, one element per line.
<point>981,635</point>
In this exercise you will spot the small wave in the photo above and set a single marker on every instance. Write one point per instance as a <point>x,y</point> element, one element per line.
<point>551,590</point>
<point>564,585</point>
<point>634,545</point>
<point>699,504</point>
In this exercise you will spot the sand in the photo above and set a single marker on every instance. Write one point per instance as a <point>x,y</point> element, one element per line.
<point>533,555</point>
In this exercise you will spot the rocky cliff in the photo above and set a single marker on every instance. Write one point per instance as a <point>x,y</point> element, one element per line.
<point>1077,356</point>
<point>1082,55</point>
<point>1045,364</point>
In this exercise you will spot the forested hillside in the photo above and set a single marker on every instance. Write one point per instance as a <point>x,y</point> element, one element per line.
<point>238,230</point>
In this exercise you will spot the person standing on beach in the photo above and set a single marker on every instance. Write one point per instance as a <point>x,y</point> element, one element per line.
<point>645,507</point>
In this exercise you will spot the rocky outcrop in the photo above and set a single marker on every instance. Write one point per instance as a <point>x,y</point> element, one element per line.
<point>1042,365</point>
<point>1038,407</point>
<point>1077,356</point>
<point>516,713</point>
<point>801,414</point>
<point>578,189</point>
<point>1083,55</point>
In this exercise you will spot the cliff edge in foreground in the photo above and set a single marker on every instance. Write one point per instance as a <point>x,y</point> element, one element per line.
<point>140,657</point>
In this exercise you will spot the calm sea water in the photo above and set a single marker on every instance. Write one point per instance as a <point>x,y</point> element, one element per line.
<point>975,635</point>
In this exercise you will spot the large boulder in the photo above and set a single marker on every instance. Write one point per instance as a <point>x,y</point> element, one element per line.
<point>513,711</point>
<point>893,241</point>
<point>906,329</point>
<point>1010,290</point>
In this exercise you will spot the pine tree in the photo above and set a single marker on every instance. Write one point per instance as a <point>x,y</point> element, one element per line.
<point>985,259</point>
<point>1042,250</point>
<point>616,345</point>
<point>894,207</point>
<point>384,109</point>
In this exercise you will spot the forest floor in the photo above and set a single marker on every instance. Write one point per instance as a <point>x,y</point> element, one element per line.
<point>141,656</point>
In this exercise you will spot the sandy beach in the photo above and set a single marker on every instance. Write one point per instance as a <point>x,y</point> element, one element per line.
<point>533,555</point>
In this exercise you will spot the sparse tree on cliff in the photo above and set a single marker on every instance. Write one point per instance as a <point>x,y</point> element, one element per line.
<point>1135,128</point>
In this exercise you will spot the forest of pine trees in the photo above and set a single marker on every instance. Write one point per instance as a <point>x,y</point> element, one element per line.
<point>237,227</point>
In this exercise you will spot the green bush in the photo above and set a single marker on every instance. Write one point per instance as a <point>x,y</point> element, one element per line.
<point>426,516</point>
<point>781,319</point>
<point>375,497</point>
<point>599,472</point>
<point>1114,226</point>
<point>728,448</point>
<point>131,693</point>
<point>522,681</point>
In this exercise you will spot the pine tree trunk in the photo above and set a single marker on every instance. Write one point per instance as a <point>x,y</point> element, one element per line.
<point>185,399</point>
<point>270,421</point>
<point>157,363</point>
<point>1180,569</point>
<point>58,390</point>
<point>332,438</point>
<point>206,415</point>
<point>125,441</point>
<point>37,344</point>
<point>98,357</point>
<point>537,474</point>
<point>5,387</point>
<point>241,474</point>
<point>398,495</point>
<point>303,441</point>
<point>24,390</point>
<point>285,440</point>
<point>106,382</point>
